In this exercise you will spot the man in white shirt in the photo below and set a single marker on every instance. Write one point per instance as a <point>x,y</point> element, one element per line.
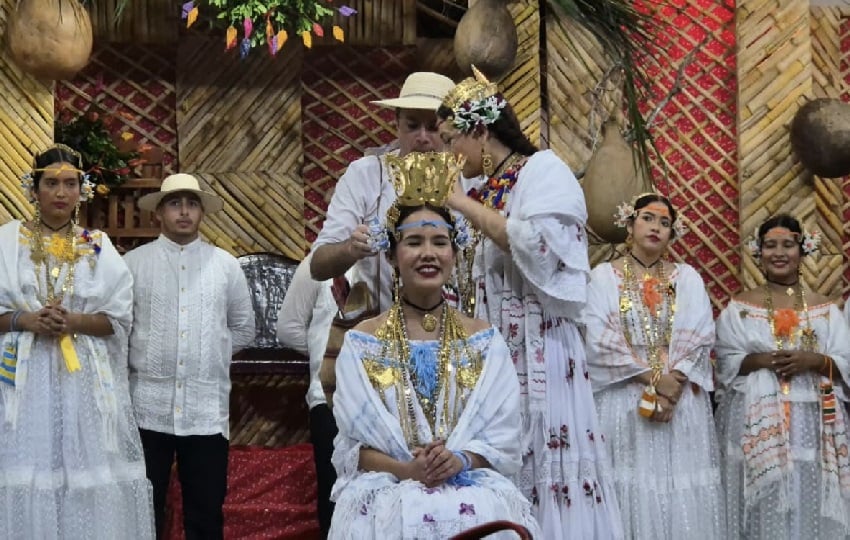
<point>365,192</point>
<point>303,324</point>
<point>191,311</point>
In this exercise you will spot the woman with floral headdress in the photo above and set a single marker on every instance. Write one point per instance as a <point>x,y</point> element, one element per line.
<point>528,277</point>
<point>71,462</point>
<point>426,401</point>
<point>783,364</point>
<point>649,332</point>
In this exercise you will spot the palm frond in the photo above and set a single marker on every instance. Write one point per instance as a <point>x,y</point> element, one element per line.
<point>620,29</point>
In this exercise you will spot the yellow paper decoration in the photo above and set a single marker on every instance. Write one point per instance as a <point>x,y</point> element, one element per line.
<point>269,29</point>
<point>339,33</point>
<point>66,345</point>
<point>230,37</point>
<point>307,38</point>
<point>192,17</point>
<point>282,36</point>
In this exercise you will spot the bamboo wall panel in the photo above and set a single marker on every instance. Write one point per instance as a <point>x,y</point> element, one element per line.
<point>844,67</point>
<point>437,55</point>
<point>575,64</point>
<point>263,211</point>
<point>339,122</point>
<point>828,194</point>
<point>143,21</point>
<point>521,86</point>
<point>237,115</point>
<point>377,23</point>
<point>239,130</point>
<point>132,88</point>
<point>26,127</point>
<point>774,78</point>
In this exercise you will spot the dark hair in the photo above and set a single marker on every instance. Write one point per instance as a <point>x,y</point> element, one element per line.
<point>506,129</point>
<point>783,220</point>
<point>52,155</point>
<point>405,211</point>
<point>645,200</point>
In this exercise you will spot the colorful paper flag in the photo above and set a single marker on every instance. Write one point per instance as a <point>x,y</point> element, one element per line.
<point>339,33</point>
<point>230,38</point>
<point>307,39</point>
<point>248,25</point>
<point>318,30</point>
<point>192,17</point>
<point>346,11</point>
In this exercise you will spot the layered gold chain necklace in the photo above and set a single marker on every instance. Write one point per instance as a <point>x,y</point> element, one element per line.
<point>49,259</point>
<point>652,299</point>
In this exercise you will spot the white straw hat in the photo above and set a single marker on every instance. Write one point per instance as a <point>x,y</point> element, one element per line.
<point>181,182</point>
<point>421,90</point>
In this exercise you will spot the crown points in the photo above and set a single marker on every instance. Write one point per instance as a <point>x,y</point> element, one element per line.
<point>424,177</point>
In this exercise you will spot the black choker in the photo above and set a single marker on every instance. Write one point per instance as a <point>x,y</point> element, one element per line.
<point>57,229</point>
<point>640,262</point>
<point>420,308</point>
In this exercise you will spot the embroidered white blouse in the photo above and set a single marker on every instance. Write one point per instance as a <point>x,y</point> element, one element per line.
<point>192,310</point>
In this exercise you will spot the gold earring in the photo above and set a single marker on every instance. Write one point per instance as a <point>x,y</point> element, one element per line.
<point>487,163</point>
<point>77,214</point>
<point>396,286</point>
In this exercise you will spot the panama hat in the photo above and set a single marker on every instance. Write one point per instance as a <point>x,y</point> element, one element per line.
<point>421,90</point>
<point>181,182</point>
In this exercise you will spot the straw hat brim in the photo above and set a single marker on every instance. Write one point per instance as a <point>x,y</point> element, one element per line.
<point>210,202</point>
<point>410,102</point>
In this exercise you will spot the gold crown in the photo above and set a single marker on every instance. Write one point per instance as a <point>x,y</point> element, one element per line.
<point>424,177</point>
<point>476,88</point>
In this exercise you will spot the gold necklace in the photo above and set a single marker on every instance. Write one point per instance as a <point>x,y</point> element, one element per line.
<point>63,254</point>
<point>428,322</point>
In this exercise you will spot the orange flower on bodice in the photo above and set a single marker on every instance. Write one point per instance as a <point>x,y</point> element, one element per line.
<point>785,321</point>
<point>651,292</point>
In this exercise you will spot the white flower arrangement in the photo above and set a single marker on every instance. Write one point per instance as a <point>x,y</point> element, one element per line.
<point>625,212</point>
<point>378,239</point>
<point>462,233</point>
<point>87,188</point>
<point>471,114</point>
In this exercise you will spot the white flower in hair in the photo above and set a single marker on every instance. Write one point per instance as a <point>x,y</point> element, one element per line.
<point>754,245</point>
<point>462,234</point>
<point>28,186</point>
<point>87,188</point>
<point>625,212</point>
<point>680,227</point>
<point>811,241</point>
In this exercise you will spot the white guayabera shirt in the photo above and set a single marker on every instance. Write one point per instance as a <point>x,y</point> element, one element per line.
<point>192,311</point>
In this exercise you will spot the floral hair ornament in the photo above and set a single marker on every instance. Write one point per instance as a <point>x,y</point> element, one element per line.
<point>474,102</point>
<point>809,241</point>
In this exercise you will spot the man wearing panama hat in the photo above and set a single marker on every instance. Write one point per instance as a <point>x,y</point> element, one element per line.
<point>365,192</point>
<point>191,311</point>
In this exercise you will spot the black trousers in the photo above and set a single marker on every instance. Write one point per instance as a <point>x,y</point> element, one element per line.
<point>322,433</point>
<point>202,469</point>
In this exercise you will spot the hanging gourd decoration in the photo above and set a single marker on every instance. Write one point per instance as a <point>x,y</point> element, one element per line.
<point>820,136</point>
<point>612,177</point>
<point>486,38</point>
<point>49,39</point>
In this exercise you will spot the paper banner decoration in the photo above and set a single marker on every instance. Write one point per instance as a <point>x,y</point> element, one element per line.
<point>346,11</point>
<point>184,11</point>
<point>339,33</point>
<point>281,36</point>
<point>307,38</point>
<point>248,25</point>
<point>318,30</point>
<point>230,38</point>
<point>192,17</point>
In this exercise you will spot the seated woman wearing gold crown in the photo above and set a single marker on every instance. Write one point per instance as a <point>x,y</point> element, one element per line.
<point>427,402</point>
<point>529,278</point>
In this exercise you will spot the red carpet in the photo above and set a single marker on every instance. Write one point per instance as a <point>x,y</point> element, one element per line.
<point>271,494</point>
